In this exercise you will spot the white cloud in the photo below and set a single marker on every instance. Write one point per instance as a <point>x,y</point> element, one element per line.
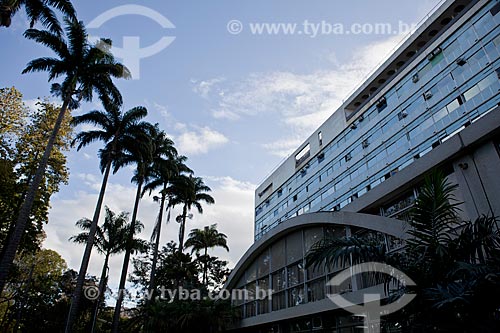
<point>282,148</point>
<point>162,109</point>
<point>233,212</point>
<point>302,101</point>
<point>204,87</point>
<point>199,140</point>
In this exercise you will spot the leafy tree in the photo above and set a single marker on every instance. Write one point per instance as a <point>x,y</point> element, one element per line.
<point>37,292</point>
<point>86,68</point>
<point>175,269</point>
<point>119,133</point>
<point>19,168</point>
<point>188,191</point>
<point>204,239</point>
<point>111,239</point>
<point>37,10</point>
<point>13,115</point>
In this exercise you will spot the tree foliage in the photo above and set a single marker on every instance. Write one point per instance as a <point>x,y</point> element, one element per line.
<point>24,139</point>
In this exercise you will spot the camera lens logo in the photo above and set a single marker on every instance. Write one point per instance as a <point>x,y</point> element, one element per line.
<point>131,51</point>
<point>371,308</point>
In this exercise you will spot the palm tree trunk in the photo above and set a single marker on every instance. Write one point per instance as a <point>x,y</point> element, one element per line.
<point>157,245</point>
<point>205,267</point>
<point>182,228</point>
<point>102,289</point>
<point>10,248</point>
<point>123,278</point>
<point>75,303</point>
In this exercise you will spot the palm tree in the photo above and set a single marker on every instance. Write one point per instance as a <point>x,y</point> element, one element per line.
<point>37,10</point>
<point>204,239</point>
<point>166,165</point>
<point>110,239</point>
<point>119,133</point>
<point>189,191</point>
<point>86,68</point>
<point>142,156</point>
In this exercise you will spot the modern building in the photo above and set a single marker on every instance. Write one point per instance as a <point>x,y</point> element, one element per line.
<point>433,104</point>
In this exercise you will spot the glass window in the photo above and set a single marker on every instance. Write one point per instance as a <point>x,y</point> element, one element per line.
<point>250,309</point>
<point>251,272</point>
<point>487,81</point>
<point>469,94</point>
<point>313,273</point>
<point>263,263</point>
<point>279,281</point>
<point>484,24</point>
<point>316,290</point>
<point>279,301</point>
<point>294,247</point>
<point>467,39</point>
<point>278,254</point>
<point>453,105</point>
<point>390,124</point>
<point>250,292</point>
<point>296,296</point>
<point>295,274</point>
<point>312,236</point>
<point>440,114</point>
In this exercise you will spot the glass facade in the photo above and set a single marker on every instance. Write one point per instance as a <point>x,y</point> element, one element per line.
<point>281,268</point>
<point>439,97</point>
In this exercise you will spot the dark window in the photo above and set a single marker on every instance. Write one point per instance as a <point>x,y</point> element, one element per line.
<point>495,9</point>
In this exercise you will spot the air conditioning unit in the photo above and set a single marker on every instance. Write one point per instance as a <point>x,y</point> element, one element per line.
<point>361,118</point>
<point>348,157</point>
<point>381,103</point>
<point>460,61</point>
<point>415,78</point>
<point>434,53</point>
<point>402,115</point>
<point>427,95</point>
<point>365,143</point>
<point>321,156</point>
<point>354,126</point>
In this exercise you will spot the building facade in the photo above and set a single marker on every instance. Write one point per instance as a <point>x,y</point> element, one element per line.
<point>433,104</point>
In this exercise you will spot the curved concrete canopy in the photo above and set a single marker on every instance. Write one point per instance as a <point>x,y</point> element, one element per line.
<point>390,226</point>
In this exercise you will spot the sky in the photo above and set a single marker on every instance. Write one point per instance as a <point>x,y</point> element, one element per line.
<point>235,101</point>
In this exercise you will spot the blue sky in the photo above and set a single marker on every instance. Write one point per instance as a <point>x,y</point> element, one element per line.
<point>236,105</point>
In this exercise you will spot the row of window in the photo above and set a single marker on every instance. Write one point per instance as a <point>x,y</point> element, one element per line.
<point>441,88</point>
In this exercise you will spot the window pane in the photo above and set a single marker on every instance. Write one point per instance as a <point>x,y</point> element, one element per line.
<point>263,264</point>
<point>294,247</point>
<point>295,274</point>
<point>278,254</point>
<point>316,290</point>
<point>296,296</point>
<point>312,236</point>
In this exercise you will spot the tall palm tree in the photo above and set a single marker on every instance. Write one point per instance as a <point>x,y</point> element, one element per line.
<point>110,239</point>
<point>166,165</point>
<point>119,133</point>
<point>189,191</point>
<point>142,156</point>
<point>37,10</point>
<point>86,69</point>
<point>204,239</point>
